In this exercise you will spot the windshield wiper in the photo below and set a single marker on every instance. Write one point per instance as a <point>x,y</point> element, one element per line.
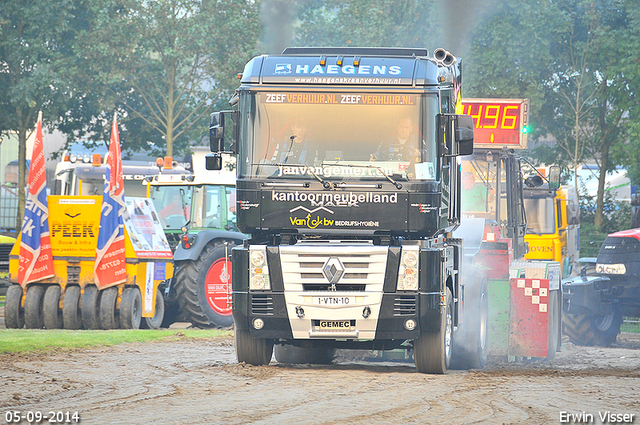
<point>395,183</point>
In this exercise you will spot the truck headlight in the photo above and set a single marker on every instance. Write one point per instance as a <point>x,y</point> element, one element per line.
<point>611,268</point>
<point>258,270</point>
<point>408,273</point>
<point>257,258</point>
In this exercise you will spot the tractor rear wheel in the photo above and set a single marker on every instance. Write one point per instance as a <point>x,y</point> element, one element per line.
<point>203,287</point>
<point>33,317</point>
<point>592,330</point>
<point>52,313</point>
<point>13,311</point>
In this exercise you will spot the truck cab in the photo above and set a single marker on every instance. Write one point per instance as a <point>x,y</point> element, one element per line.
<point>348,185</point>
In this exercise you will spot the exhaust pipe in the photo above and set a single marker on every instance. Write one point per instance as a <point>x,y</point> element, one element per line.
<point>443,58</point>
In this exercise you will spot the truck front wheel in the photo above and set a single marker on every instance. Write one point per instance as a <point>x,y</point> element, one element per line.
<point>592,330</point>
<point>253,351</point>
<point>203,287</point>
<point>432,350</point>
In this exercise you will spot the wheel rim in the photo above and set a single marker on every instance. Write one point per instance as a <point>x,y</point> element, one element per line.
<point>447,334</point>
<point>603,323</point>
<point>217,284</point>
<point>483,321</point>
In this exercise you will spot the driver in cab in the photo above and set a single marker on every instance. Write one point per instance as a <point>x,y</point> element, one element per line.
<point>401,147</point>
<point>176,207</point>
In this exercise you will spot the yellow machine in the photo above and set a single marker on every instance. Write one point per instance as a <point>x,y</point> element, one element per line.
<point>552,225</point>
<point>71,299</point>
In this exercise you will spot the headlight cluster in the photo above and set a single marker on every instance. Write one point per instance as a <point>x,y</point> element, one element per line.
<point>259,271</point>
<point>408,274</point>
<point>611,268</point>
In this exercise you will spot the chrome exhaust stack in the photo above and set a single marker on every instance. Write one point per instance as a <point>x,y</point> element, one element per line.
<point>443,58</point>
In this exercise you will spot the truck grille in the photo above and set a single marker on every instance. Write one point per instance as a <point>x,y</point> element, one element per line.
<point>262,304</point>
<point>364,267</point>
<point>404,305</point>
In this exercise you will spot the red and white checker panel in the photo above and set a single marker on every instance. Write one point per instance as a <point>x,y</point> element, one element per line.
<point>529,318</point>
<point>539,293</point>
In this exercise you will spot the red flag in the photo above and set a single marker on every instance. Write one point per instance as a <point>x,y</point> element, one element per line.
<point>110,265</point>
<point>36,259</point>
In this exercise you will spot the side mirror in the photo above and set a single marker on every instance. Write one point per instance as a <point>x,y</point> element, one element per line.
<point>455,134</point>
<point>223,126</point>
<point>464,134</point>
<point>216,132</point>
<point>554,177</point>
<point>213,162</point>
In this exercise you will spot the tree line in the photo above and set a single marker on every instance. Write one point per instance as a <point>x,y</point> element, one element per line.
<point>164,65</point>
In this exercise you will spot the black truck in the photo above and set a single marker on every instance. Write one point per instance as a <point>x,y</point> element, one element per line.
<point>348,184</point>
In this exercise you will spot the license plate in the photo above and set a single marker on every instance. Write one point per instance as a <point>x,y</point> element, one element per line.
<point>333,300</point>
<point>333,325</point>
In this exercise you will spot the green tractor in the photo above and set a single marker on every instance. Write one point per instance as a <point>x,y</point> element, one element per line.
<point>197,212</point>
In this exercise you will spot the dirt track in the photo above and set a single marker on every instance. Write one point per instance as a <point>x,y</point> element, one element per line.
<point>198,382</point>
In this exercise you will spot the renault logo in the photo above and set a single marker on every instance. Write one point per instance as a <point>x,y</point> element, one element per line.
<point>333,270</point>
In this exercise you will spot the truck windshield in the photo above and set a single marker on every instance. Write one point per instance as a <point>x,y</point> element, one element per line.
<point>355,136</point>
<point>540,215</point>
<point>173,204</point>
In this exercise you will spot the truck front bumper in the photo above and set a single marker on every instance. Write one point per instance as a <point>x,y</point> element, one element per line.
<point>399,316</point>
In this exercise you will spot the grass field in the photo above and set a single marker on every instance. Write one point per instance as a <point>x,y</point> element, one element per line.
<point>29,340</point>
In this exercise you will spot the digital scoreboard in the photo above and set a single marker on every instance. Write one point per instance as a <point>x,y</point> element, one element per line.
<point>498,122</point>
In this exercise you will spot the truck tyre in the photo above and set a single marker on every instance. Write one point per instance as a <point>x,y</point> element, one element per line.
<point>202,290</point>
<point>52,313</point>
<point>155,322</point>
<point>131,308</point>
<point>33,317</point>
<point>109,315</point>
<point>592,330</point>
<point>90,307</point>
<point>469,347</point>
<point>251,350</point>
<point>299,355</point>
<point>13,311</point>
<point>432,350</point>
<point>554,323</point>
<point>71,313</point>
